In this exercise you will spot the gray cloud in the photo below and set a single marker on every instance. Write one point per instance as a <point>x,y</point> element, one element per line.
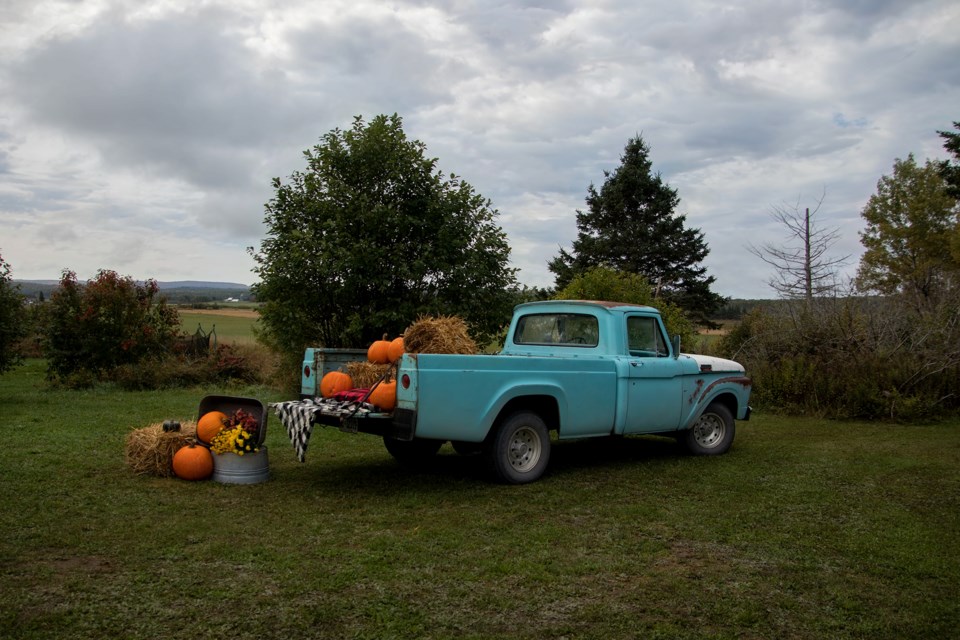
<point>178,94</point>
<point>143,132</point>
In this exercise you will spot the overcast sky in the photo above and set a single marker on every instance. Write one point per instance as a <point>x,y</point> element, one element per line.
<point>142,136</point>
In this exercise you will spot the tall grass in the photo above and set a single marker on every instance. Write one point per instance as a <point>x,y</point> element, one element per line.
<point>806,529</point>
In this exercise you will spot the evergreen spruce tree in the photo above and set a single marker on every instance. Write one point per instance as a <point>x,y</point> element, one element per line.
<point>631,225</point>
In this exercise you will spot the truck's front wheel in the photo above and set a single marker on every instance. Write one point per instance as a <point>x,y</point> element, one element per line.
<point>520,450</point>
<point>712,433</point>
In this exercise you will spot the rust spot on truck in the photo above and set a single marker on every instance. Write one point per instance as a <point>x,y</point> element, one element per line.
<point>699,393</point>
<point>741,381</point>
<point>696,391</point>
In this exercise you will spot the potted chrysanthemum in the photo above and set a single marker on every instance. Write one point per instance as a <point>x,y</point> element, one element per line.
<point>240,457</point>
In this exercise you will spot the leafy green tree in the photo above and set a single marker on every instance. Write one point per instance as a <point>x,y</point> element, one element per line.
<point>372,235</point>
<point>108,322</point>
<point>604,283</point>
<point>13,323</point>
<point>631,225</point>
<point>910,224</point>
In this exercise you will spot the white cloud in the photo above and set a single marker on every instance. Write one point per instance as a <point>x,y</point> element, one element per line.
<point>142,137</point>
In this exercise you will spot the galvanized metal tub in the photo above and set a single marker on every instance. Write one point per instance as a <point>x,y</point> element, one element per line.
<point>250,468</point>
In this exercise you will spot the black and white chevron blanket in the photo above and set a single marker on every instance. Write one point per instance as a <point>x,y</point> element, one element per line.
<point>298,417</point>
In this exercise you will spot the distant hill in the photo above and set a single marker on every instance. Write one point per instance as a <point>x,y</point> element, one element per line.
<point>178,291</point>
<point>200,284</point>
<point>175,284</point>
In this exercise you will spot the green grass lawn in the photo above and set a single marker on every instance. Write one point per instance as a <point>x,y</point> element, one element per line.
<point>806,529</point>
<point>229,329</point>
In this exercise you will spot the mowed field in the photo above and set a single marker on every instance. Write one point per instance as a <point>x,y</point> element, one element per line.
<point>231,325</point>
<point>805,529</point>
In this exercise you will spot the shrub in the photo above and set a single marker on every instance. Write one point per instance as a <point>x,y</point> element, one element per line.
<point>31,343</point>
<point>13,320</point>
<point>851,358</point>
<point>224,365</point>
<point>109,322</point>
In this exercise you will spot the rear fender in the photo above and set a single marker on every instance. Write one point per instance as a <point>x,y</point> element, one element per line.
<point>546,400</point>
<point>448,421</point>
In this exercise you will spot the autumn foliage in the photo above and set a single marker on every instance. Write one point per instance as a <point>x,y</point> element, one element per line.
<point>110,321</point>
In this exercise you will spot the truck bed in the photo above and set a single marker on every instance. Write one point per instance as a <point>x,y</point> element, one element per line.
<point>459,397</point>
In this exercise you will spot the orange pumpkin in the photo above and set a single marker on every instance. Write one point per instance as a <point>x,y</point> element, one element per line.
<point>193,462</point>
<point>378,353</point>
<point>335,382</point>
<point>210,425</point>
<point>384,396</point>
<point>395,350</point>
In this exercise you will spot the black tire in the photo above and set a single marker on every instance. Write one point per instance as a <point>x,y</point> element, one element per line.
<point>414,452</point>
<point>712,433</point>
<point>520,451</point>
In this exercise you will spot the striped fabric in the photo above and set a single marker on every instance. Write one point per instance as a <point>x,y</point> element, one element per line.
<point>299,416</point>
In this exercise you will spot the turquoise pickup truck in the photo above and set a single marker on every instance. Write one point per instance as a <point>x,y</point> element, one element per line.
<point>580,369</point>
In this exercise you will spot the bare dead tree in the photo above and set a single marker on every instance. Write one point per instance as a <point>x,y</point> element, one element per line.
<point>804,268</point>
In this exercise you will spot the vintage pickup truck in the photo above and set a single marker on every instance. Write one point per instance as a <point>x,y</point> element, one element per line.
<point>581,369</point>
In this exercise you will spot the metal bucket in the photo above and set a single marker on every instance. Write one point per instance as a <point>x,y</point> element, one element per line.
<point>250,468</point>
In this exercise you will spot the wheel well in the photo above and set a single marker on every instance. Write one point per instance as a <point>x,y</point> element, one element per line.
<point>729,401</point>
<point>544,406</point>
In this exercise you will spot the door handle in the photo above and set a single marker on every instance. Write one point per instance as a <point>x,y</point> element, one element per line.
<point>636,363</point>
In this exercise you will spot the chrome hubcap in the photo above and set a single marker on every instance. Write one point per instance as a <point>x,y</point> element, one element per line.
<point>524,451</point>
<point>709,430</point>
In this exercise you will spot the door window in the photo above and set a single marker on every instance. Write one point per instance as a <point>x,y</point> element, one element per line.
<point>644,338</point>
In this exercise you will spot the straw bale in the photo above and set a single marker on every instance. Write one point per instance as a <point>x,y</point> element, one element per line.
<point>444,334</point>
<point>149,451</point>
<point>366,374</point>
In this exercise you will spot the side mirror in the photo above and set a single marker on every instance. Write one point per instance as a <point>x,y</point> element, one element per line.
<point>676,346</point>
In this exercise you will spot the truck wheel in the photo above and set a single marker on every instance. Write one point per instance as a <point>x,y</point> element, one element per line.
<point>412,452</point>
<point>712,433</point>
<point>520,450</point>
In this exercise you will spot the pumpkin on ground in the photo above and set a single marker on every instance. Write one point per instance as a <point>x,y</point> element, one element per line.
<point>395,350</point>
<point>335,382</point>
<point>210,425</point>
<point>193,462</point>
<point>378,353</point>
<point>384,396</point>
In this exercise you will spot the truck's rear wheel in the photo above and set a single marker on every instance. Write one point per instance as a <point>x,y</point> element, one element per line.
<point>520,450</point>
<point>712,433</point>
<point>412,452</point>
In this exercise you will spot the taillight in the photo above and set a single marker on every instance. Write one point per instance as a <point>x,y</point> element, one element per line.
<point>306,371</point>
<point>405,381</point>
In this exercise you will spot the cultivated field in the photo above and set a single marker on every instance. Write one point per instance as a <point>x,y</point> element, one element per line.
<point>231,325</point>
<point>806,529</point>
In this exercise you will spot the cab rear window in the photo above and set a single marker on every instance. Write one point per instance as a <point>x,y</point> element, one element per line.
<point>562,329</point>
